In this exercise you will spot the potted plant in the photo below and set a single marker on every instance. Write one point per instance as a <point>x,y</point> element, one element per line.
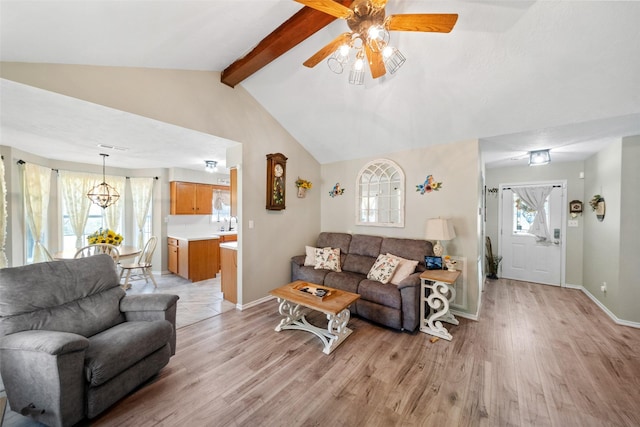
<point>493,261</point>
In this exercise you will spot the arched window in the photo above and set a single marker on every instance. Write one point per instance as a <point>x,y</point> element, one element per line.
<point>380,199</point>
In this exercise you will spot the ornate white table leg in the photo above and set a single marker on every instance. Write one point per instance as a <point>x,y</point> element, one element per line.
<point>294,318</point>
<point>292,313</point>
<point>448,316</point>
<point>439,307</point>
<point>337,330</point>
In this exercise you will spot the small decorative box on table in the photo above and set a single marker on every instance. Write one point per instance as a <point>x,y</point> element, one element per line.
<point>436,292</point>
<point>333,302</point>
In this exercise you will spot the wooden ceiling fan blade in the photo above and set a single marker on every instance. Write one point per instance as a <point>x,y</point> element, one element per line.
<point>376,62</point>
<point>329,7</point>
<point>320,55</point>
<point>426,22</point>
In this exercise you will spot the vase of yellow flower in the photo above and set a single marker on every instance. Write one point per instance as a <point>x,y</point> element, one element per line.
<point>303,185</point>
<point>105,236</point>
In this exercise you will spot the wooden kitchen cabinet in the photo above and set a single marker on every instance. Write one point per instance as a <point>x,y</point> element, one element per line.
<point>228,281</point>
<point>226,238</point>
<point>190,198</point>
<point>194,260</point>
<point>173,255</point>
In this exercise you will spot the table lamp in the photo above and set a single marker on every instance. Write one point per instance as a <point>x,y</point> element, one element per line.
<point>439,229</point>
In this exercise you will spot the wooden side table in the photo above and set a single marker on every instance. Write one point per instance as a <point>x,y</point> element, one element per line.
<point>436,293</point>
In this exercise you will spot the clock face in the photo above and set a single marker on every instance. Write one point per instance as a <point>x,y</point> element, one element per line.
<point>278,170</point>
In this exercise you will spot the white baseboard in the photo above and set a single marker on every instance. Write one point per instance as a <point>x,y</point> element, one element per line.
<point>254,303</point>
<point>605,309</point>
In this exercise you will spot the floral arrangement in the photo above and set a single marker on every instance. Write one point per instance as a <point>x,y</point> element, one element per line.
<point>303,183</point>
<point>105,236</point>
<point>429,185</point>
<point>594,201</point>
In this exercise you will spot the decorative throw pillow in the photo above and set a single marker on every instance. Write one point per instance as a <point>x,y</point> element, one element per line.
<point>383,268</point>
<point>327,259</point>
<point>310,259</point>
<point>404,269</point>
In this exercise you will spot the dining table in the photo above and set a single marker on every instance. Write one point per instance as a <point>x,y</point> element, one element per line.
<point>126,252</point>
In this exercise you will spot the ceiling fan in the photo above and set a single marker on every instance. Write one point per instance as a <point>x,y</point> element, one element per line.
<point>369,35</point>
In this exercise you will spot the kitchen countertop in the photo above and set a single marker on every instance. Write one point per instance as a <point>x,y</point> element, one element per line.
<point>194,237</point>
<point>229,245</point>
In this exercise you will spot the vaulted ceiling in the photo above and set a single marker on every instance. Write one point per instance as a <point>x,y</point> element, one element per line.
<point>519,75</point>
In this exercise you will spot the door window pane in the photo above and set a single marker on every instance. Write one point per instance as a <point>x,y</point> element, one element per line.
<point>523,215</point>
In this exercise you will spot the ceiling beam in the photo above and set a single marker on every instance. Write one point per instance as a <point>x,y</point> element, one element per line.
<point>296,29</point>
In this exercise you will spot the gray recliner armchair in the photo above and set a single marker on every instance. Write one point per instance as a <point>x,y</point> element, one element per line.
<point>72,343</point>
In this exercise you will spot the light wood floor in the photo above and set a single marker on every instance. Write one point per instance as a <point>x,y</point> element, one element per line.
<point>198,300</point>
<point>539,355</point>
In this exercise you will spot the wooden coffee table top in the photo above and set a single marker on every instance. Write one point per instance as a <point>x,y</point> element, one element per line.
<point>332,304</point>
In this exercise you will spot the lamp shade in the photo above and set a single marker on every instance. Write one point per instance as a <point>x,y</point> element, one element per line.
<point>439,229</point>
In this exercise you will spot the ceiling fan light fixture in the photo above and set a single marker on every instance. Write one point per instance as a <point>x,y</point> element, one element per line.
<point>393,59</point>
<point>337,60</point>
<point>356,75</point>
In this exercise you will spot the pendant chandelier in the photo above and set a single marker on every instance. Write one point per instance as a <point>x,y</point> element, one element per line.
<point>103,194</point>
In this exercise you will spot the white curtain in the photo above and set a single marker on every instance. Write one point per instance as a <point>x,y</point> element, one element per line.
<point>3,216</point>
<point>221,198</point>
<point>74,187</point>
<point>113,214</point>
<point>37,187</point>
<point>535,197</point>
<point>141,192</point>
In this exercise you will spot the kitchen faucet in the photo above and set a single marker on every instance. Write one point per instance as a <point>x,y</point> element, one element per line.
<point>231,222</point>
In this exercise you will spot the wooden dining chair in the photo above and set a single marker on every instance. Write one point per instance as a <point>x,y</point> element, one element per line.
<point>99,248</point>
<point>143,264</point>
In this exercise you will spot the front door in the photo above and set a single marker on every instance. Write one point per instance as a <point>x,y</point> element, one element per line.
<point>524,257</point>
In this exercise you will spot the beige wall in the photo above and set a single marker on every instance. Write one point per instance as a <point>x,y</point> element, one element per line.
<point>602,239</point>
<point>612,247</point>
<point>569,171</point>
<point>455,165</point>
<point>630,230</point>
<point>197,100</point>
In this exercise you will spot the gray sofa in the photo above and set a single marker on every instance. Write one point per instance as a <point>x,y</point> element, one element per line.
<point>72,343</point>
<point>387,304</point>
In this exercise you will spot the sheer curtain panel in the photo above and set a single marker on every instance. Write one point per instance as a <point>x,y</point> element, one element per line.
<point>141,191</point>
<point>74,187</point>
<point>113,214</point>
<point>535,197</point>
<point>37,187</point>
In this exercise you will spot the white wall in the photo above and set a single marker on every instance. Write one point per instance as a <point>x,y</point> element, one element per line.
<point>456,165</point>
<point>569,171</point>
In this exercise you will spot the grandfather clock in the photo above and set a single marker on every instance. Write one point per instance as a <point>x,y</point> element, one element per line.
<point>276,180</point>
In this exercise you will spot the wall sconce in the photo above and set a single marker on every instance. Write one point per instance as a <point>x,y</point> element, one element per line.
<point>210,166</point>
<point>539,157</point>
